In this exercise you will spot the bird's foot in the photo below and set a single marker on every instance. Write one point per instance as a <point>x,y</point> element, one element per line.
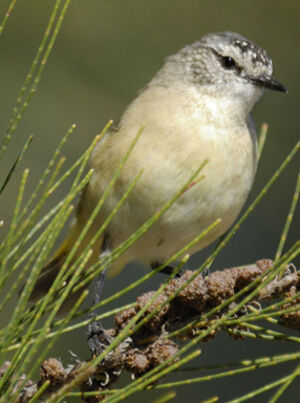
<point>97,338</point>
<point>166,270</point>
<point>206,272</point>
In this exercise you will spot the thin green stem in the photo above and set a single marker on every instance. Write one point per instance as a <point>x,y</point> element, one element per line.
<point>289,220</point>
<point>285,385</point>
<point>40,392</point>
<point>13,226</point>
<point>47,171</point>
<point>7,15</point>
<point>16,163</point>
<point>252,366</point>
<point>259,391</point>
<point>21,105</point>
<point>262,139</point>
<point>165,398</point>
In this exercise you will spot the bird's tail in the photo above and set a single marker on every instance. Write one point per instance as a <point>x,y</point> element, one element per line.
<point>49,272</point>
<point>53,267</point>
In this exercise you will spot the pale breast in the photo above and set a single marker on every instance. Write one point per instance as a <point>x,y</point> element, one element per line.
<point>169,151</point>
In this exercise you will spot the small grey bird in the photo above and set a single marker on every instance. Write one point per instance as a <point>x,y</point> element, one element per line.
<point>197,107</point>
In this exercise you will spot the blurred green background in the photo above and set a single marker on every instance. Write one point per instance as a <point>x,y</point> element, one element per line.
<point>106,51</point>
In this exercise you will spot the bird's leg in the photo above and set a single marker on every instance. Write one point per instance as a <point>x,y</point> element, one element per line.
<point>95,330</point>
<point>96,336</point>
<point>206,271</point>
<point>166,270</point>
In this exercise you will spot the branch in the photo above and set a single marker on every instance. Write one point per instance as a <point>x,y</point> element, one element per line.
<point>155,341</point>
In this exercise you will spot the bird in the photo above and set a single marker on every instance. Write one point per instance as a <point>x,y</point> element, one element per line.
<point>197,108</point>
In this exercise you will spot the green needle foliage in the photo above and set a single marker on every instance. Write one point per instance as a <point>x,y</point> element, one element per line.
<point>28,243</point>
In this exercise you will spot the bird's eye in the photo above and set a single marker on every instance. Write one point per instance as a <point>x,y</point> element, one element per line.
<point>228,62</point>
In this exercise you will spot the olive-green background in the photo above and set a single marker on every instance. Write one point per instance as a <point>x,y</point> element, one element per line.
<point>106,51</point>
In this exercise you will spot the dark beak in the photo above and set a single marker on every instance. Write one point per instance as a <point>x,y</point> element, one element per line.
<point>268,82</point>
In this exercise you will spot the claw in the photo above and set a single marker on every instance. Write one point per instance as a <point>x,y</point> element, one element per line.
<point>97,338</point>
